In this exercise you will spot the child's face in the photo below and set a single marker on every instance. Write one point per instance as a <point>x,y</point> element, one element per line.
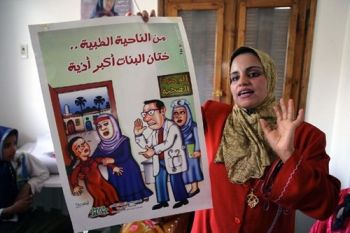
<point>10,147</point>
<point>180,116</point>
<point>81,149</point>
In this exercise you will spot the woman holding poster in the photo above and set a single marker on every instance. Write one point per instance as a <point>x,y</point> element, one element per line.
<point>265,163</point>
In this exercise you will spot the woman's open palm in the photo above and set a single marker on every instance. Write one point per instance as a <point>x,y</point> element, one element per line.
<point>281,138</point>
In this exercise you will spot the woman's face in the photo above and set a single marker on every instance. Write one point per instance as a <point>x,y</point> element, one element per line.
<point>180,116</point>
<point>105,129</point>
<point>248,81</point>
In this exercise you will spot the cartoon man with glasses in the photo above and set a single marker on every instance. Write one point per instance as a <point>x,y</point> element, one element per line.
<point>164,145</point>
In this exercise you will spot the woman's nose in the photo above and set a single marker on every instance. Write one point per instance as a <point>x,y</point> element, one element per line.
<point>243,80</point>
<point>13,149</point>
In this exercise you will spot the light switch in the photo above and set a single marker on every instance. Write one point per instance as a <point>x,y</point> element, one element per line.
<point>24,51</point>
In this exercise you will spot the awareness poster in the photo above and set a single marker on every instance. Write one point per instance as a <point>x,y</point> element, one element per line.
<point>124,113</point>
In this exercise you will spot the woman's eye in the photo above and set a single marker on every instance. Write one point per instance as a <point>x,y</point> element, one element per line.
<point>254,74</point>
<point>234,78</point>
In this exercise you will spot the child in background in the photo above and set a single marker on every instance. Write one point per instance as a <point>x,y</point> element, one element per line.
<point>21,177</point>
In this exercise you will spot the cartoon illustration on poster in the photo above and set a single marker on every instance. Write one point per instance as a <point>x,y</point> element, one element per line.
<point>124,112</point>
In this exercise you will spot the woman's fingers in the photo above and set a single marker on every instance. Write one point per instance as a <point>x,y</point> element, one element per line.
<point>278,112</point>
<point>300,117</point>
<point>283,109</point>
<point>287,112</point>
<point>144,14</point>
<point>290,111</point>
<point>265,126</point>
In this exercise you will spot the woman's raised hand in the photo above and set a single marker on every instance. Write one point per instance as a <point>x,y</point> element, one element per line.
<point>281,138</point>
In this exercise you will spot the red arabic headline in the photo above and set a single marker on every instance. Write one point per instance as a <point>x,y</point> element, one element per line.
<point>119,40</point>
<point>111,61</point>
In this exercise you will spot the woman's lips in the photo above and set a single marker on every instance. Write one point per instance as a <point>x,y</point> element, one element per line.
<point>245,93</point>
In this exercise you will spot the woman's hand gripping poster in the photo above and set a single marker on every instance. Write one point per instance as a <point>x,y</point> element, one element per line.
<point>124,113</point>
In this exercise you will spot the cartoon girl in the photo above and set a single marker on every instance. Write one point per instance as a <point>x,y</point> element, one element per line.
<point>130,185</point>
<point>182,116</point>
<point>104,196</point>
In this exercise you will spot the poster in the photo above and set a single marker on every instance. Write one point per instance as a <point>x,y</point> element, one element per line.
<point>124,113</point>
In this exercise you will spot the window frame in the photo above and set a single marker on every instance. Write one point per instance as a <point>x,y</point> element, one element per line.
<point>230,35</point>
<point>218,7</point>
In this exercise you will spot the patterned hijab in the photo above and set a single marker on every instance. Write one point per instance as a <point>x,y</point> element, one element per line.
<point>243,147</point>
